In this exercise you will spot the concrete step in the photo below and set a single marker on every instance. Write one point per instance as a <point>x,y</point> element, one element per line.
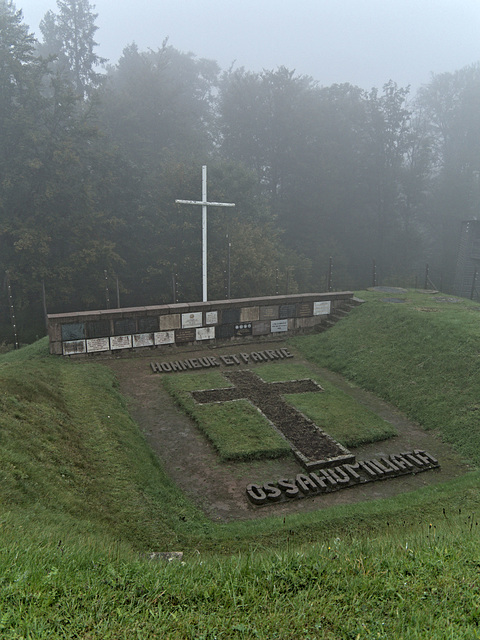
<point>338,314</point>
<point>341,312</point>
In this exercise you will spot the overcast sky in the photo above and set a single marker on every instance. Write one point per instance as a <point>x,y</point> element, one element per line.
<point>364,42</point>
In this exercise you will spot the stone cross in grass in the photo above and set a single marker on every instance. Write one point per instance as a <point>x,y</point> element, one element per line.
<point>305,437</point>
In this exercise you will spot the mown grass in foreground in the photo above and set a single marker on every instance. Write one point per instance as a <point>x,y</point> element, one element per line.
<point>408,583</point>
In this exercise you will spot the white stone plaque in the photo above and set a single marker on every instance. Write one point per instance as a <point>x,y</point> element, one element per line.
<point>211,317</point>
<point>276,326</point>
<point>205,333</point>
<point>321,308</point>
<point>143,340</point>
<point>191,320</point>
<point>164,337</point>
<point>73,346</point>
<point>121,342</point>
<point>98,344</point>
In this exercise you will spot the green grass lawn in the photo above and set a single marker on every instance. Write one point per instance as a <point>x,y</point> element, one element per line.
<point>237,430</point>
<point>71,453</point>
<point>422,356</point>
<point>410,581</point>
<point>82,497</point>
<point>335,411</point>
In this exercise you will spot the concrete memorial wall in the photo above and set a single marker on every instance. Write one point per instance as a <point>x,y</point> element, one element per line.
<point>159,327</point>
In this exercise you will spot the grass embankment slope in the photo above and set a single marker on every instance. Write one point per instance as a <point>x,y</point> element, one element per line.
<point>422,355</point>
<point>82,495</point>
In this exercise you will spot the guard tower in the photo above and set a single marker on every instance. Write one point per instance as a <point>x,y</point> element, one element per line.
<point>468,260</point>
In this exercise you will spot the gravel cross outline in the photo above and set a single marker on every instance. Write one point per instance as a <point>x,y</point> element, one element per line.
<point>303,434</point>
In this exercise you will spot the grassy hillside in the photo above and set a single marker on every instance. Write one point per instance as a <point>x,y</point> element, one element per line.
<point>423,355</point>
<point>82,498</point>
<point>72,459</point>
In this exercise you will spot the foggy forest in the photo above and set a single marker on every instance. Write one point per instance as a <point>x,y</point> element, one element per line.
<point>93,156</point>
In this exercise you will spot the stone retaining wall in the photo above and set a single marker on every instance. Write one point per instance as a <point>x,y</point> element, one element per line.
<point>166,326</point>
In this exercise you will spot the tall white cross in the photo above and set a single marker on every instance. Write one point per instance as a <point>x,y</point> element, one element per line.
<point>204,204</point>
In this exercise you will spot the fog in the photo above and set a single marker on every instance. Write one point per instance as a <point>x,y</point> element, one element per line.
<point>335,186</point>
<point>363,42</point>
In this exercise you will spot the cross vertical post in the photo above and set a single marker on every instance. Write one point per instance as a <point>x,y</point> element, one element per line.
<point>205,204</point>
<point>204,232</point>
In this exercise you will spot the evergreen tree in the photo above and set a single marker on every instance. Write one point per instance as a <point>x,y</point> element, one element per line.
<point>69,35</point>
<point>160,102</point>
<point>449,107</point>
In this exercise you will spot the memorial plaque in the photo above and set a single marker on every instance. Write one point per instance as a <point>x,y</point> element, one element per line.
<point>261,327</point>
<point>249,314</point>
<point>98,344</point>
<point>164,337</point>
<point>287,311</point>
<point>191,320</point>
<point>230,316</point>
<point>269,313</point>
<point>277,326</point>
<point>148,324</point>
<point>307,323</point>
<point>211,317</point>
<point>74,331</point>
<point>184,335</point>
<point>143,340</point>
<point>224,331</point>
<point>167,323</point>
<point>243,329</point>
<point>321,308</point>
<point>205,333</point>
<point>304,309</point>
<point>124,326</point>
<point>74,346</point>
<point>121,342</point>
<point>98,329</point>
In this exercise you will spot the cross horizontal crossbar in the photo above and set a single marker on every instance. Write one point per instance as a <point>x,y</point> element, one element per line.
<point>206,204</point>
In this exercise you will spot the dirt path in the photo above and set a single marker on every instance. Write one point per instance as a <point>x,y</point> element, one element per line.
<point>219,488</point>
